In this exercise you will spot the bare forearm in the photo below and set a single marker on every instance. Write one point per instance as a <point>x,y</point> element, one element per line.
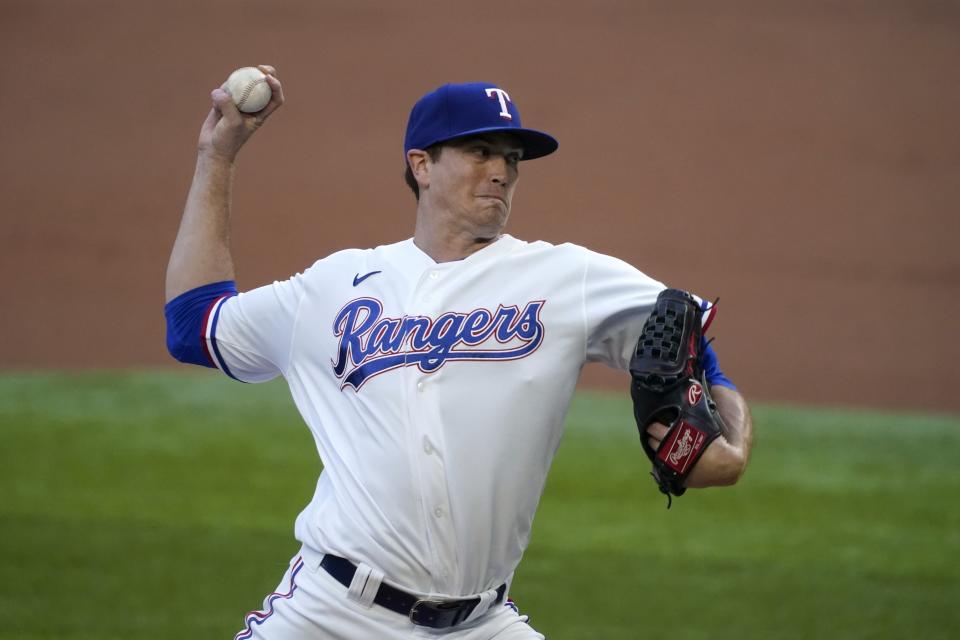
<point>737,419</point>
<point>725,460</point>
<point>201,252</point>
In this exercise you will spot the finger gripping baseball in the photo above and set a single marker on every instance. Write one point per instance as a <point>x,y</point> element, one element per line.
<point>249,89</point>
<point>668,386</point>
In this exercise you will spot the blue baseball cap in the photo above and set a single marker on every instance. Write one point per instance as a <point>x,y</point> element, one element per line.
<point>456,110</point>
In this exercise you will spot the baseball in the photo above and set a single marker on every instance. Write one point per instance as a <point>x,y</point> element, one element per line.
<point>249,89</point>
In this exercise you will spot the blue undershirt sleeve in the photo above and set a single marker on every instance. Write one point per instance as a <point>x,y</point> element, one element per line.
<point>711,366</point>
<point>187,315</point>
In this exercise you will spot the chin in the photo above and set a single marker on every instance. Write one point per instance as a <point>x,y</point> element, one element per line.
<point>487,218</point>
<point>495,219</point>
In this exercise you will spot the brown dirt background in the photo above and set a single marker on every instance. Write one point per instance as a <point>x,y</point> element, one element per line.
<point>798,159</point>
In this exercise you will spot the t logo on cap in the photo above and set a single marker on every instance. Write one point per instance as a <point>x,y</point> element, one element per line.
<point>465,109</point>
<point>504,99</point>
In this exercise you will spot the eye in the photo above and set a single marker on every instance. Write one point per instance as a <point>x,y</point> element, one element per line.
<point>481,151</point>
<point>513,159</point>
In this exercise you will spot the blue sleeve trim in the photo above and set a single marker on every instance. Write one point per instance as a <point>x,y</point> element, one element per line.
<point>187,316</point>
<point>711,367</point>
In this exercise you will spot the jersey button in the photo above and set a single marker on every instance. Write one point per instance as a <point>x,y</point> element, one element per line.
<point>434,275</point>
<point>438,512</point>
<point>427,447</point>
<point>420,386</point>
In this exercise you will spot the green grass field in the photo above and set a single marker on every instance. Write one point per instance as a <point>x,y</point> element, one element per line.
<point>162,506</point>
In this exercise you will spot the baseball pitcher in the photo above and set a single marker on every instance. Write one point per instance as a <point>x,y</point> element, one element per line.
<point>435,374</point>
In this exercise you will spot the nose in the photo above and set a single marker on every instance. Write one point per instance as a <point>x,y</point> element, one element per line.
<point>499,170</point>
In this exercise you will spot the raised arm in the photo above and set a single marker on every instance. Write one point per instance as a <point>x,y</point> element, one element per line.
<point>201,252</point>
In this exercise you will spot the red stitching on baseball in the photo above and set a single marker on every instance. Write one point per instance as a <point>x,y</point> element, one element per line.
<point>247,90</point>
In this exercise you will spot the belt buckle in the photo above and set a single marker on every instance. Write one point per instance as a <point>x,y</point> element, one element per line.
<point>439,606</point>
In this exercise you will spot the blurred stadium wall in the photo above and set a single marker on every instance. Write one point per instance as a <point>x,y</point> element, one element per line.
<point>797,159</point>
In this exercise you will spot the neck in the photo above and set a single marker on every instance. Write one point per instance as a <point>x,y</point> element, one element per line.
<point>448,242</point>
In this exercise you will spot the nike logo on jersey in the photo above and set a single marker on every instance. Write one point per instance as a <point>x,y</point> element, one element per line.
<point>357,279</point>
<point>371,344</point>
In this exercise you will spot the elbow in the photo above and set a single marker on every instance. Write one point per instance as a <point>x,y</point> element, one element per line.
<point>184,342</point>
<point>721,466</point>
<point>186,317</point>
<point>731,468</point>
<point>176,347</point>
<point>730,475</point>
<point>187,347</point>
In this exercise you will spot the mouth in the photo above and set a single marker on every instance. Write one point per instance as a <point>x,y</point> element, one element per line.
<point>489,196</point>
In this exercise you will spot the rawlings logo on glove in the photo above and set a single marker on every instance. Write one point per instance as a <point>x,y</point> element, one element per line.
<point>668,386</point>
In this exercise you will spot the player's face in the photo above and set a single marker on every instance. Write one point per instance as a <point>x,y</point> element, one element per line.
<point>474,178</point>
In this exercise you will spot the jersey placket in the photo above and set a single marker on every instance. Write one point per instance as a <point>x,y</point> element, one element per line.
<point>429,446</point>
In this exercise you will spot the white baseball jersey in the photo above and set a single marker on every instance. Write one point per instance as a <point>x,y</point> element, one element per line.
<point>436,393</point>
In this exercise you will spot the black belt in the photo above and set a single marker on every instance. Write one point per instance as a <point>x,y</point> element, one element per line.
<point>426,612</point>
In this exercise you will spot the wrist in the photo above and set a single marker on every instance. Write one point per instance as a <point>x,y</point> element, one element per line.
<point>213,159</point>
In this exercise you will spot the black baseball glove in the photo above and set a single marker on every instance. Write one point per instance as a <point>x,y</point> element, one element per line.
<point>668,386</point>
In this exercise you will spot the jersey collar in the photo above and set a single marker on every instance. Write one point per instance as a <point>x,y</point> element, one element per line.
<point>502,245</point>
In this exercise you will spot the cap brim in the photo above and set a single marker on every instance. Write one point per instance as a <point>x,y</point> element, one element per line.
<point>536,144</point>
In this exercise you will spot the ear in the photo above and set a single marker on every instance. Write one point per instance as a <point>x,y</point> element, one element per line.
<point>419,162</point>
